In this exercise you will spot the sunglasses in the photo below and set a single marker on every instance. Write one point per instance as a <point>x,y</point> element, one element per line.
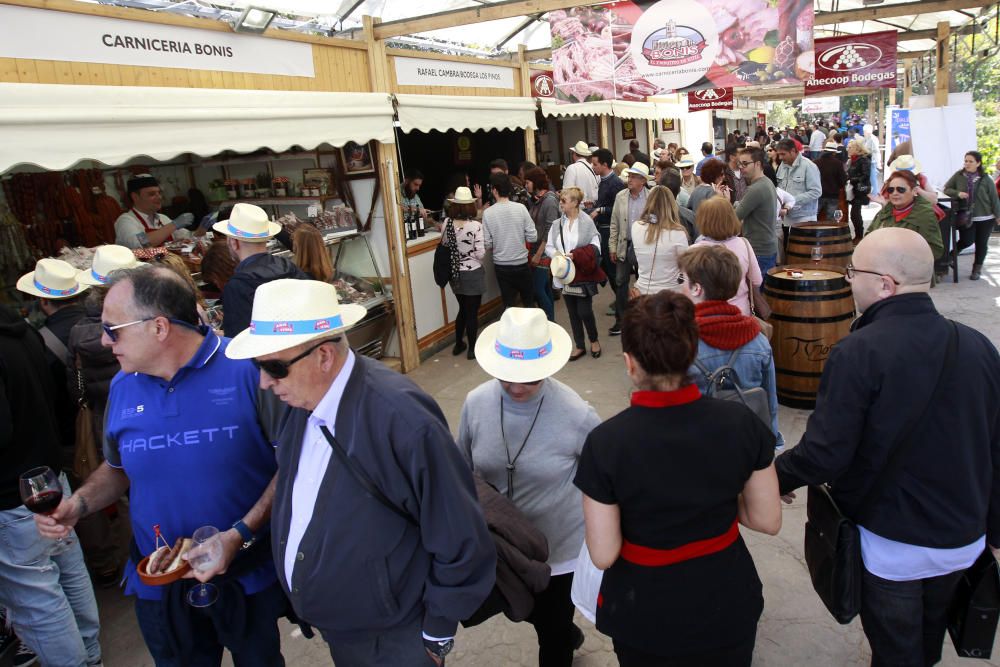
<point>898,189</point>
<point>110,329</point>
<point>279,369</point>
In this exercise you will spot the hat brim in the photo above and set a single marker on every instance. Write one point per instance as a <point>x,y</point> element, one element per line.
<point>273,229</point>
<point>247,345</point>
<point>452,200</point>
<point>512,370</point>
<point>85,277</point>
<point>587,154</point>
<point>26,284</point>
<point>915,169</point>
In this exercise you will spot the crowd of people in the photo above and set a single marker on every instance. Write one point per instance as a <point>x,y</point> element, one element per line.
<point>342,501</point>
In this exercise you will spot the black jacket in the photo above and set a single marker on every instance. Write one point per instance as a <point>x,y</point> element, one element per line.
<point>859,174</point>
<point>607,190</point>
<point>947,493</point>
<point>28,434</point>
<point>251,273</point>
<point>361,568</point>
<point>832,175</point>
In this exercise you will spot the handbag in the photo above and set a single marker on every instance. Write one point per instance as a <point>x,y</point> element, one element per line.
<point>832,542</point>
<point>85,457</point>
<point>442,265</point>
<point>849,191</point>
<point>975,609</point>
<point>764,308</point>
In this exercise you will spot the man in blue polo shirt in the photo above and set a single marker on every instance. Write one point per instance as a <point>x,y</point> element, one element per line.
<point>183,431</point>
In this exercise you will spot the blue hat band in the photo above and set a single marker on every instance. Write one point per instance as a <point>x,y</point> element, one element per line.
<point>55,292</point>
<point>239,232</point>
<point>523,354</point>
<point>295,327</point>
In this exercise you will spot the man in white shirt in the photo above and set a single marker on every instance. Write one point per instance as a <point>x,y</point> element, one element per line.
<point>906,428</point>
<point>143,225</point>
<point>871,143</point>
<point>581,174</point>
<point>816,141</point>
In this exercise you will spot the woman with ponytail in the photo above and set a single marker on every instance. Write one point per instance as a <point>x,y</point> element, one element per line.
<point>666,484</point>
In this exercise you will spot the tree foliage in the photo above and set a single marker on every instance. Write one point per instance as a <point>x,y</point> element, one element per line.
<point>780,114</point>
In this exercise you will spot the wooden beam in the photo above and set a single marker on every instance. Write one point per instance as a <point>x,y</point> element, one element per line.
<point>889,11</point>
<point>529,134</point>
<point>456,17</point>
<point>941,78</point>
<point>538,54</point>
<point>399,268</point>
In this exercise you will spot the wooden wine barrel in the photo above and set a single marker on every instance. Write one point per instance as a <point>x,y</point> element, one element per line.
<point>810,314</point>
<point>842,205</point>
<point>835,240</point>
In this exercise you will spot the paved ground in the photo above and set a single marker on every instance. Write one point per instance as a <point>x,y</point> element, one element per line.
<point>794,630</point>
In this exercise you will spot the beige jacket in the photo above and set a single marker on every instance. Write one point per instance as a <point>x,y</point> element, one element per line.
<point>618,241</point>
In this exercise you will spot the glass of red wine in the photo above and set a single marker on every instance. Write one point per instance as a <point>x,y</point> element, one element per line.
<point>42,493</point>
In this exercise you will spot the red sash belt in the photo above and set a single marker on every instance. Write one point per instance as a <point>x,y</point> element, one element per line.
<point>638,555</point>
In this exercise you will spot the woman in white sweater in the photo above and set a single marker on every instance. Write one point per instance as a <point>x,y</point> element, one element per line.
<point>658,238</point>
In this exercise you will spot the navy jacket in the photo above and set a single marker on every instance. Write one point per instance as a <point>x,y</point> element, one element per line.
<point>251,273</point>
<point>361,568</point>
<point>607,189</point>
<point>947,493</point>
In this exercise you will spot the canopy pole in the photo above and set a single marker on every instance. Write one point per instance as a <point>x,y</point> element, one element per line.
<point>529,133</point>
<point>941,79</point>
<point>402,290</point>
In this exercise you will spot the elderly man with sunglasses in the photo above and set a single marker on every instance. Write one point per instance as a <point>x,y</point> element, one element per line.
<point>907,429</point>
<point>184,434</point>
<point>377,536</point>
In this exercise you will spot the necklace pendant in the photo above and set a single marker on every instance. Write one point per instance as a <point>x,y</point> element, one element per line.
<point>511,467</point>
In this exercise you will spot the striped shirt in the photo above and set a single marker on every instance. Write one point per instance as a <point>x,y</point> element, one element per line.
<point>507,228</point>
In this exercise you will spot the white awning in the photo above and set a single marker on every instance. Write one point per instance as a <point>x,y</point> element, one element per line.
<point>553,108</point>
<point>462,112</point>
<point>737,114</point>
<point>55,126</point>
<point>643,110</point>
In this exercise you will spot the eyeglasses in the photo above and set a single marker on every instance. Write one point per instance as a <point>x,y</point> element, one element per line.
<point>110,329</point>
<point>851,271</point>
<point>278,369</point>
<point>745,164</point>
<point>899,189</point>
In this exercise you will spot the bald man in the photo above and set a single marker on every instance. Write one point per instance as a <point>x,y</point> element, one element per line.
<point>926,518</point>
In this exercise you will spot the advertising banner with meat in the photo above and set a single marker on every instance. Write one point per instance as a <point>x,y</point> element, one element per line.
<point>862,61</point>
<point>713,99</point>
<point>634,49</point>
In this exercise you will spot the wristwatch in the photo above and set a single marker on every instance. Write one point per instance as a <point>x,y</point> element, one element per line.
<point>248,537</point>
<point>439,648</point>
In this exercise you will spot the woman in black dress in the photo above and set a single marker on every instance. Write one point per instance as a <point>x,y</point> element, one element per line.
<point>666,483</point>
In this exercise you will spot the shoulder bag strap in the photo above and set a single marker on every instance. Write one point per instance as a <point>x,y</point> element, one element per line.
<point>362,477</point>
<point>55,345</point>
<point>905,442</point>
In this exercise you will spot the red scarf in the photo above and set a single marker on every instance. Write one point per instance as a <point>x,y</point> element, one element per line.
<point>854,158</point>
<point>723,326</point>
<point>900,213</point>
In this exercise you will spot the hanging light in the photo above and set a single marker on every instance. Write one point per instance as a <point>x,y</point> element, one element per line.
<point>253,20</point>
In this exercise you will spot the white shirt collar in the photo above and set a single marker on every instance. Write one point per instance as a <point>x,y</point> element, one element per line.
<point>326,410</point>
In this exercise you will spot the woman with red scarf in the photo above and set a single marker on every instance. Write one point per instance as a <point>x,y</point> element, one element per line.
<point>711,276</point>
<point>906,209</point>
<point>666,484</point>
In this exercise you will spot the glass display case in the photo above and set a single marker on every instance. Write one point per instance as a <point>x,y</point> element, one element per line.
<point>358,281</point>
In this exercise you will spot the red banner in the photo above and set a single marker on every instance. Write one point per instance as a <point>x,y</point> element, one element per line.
<point>542,84</point>
<point>712,99</point>
<point>862,61</point>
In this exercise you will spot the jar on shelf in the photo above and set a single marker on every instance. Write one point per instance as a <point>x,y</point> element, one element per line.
<point>232,189</point>
<point>280,185</point>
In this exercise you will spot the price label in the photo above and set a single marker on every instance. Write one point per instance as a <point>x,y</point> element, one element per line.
<point>313,211</point>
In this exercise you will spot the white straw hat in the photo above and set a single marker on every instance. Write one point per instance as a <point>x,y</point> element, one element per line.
<point>581,148</point>
<point>463,195</point>
<point>831,147</point>
<point>107,258</point>
<point>248,223</point>
<point>523,346</point>
<point>289,312</point>
<point>51,279</point>
<point>638,169</point>
<point>684,164</point>
<point>905,163</point>
<point>562,269</point>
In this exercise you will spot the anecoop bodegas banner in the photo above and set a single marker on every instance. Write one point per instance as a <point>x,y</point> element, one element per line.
<point>862,61</point>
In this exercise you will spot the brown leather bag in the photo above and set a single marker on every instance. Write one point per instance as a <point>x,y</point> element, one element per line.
<point>85,457</point>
